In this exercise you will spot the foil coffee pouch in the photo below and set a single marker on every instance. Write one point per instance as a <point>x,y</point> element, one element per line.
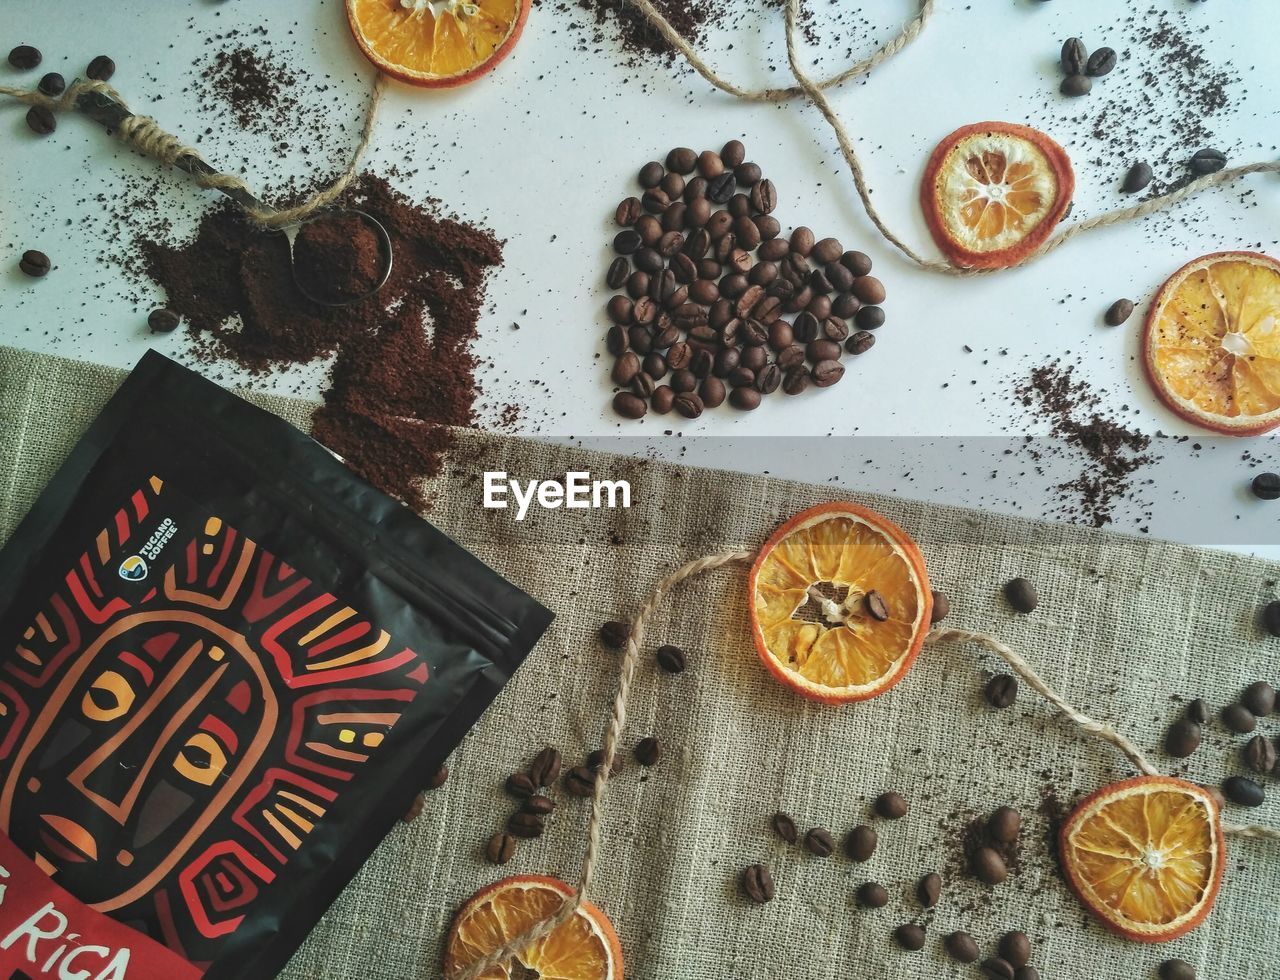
<point>227,666</point>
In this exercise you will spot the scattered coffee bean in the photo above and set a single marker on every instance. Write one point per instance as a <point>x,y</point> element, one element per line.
<point>1101,62</point>
<point>988,866</point>
<point>1198,711</point>
<point>545,768</point>
<point>747,173</point>
<point>163,321</point>
<point>1260,754</point>
<point>1266,486</point>
<point>500,849</point>
<point>757,883</point>
<point>1177,970</point>
<point>521,786</point>
<point>1260,698</point>
<point>876,607</point>
<point>629,405</point>
<point>580,781</point>
<point>744,399</point>
<point>1074,56</point>
<point>712,390</point>
<point>648,751</point>
<point>785,827</point>
<point>827,373</point>
<point>1001,691</point>
<point>595,762</point>
<point>1239,719</point>
<point>1004,825</point>
<point>651,175</point>
<point>688,404</point>
<point>872,895</point>
<point>941,607</point>
<point>997,969</point>
<point>52,84</point>
<point>1118,312</point>
<point>41,120</point>
<point>24,57</point>
<point>1208,161</point>
<point>525,825</point>
<point>1183,738</point>
<point>682,160</point>
<point>891,806</point>
<point>439,778</point>
<point>910,936</point>
<point>1243,791</point>
<point>101,68</point>
<point>733,153</point>
<point>35,264</point>
<point>619,270</point>
<point>1138,177</point>
<point>1015,948</point>
<point>671,659</point>
<point>1022,595</point>
<point>860,342</point>
<point>1271,617</point>
<point>961,947</point>
<point>541,805</point>
<point>929,889</point>
<point>860,843</point>
<point>869,317</point>
<point>1076,85</point>
<point>615,634</point>
<point>819,843</point>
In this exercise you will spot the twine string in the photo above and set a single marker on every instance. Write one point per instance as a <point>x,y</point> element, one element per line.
<point>145,135</point>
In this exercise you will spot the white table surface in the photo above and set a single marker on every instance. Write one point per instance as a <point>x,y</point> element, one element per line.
<point>543,149</point>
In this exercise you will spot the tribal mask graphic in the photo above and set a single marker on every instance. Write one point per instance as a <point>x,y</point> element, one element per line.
<point>165,751</point>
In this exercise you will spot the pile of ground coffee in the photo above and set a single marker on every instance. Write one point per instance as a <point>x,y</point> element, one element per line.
<point>337,259</point>
<point>403,371</point>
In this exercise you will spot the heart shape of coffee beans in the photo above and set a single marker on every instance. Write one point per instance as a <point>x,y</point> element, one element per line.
<point>706,285</point>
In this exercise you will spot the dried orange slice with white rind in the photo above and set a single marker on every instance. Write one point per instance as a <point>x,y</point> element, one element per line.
<point>584,947</point>
<point>993,192</point>
<point>1146,856</point>
<point>811,591</point>
<point>1211,343</point>
<point>437,43</point>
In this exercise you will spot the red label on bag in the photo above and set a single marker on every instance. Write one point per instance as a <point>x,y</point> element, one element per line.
<point>45,931</point>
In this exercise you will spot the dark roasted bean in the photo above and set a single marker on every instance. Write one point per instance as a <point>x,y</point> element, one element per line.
<point>1260,698</point>
<point>682,383</point>
<point>769,227</point>
<point>620,309</point>
<point>757,884</point>
<point>784,827</point>
<point>1015,948</point>
<point>1076,85</point>
<point>1001,691</point>
<point>910,936</point>
<point>673,186</point>
<point>1270,617</point>
<point>713,392</point>
<point>615,340</point>
<point>818,842</point>
<point>615,633</point>
<point>833,328</point>
<point>1004,824</point>
<point>1177,970</point>
<point>764,196</point>
<point>25,57</point>
<point>869,318</point>
<point>655,201</point>
<point>961,947</point>
<point>687,403</point>
<point>619,271</point>
<point>648,260</point>
<point>1137,178</point>
<point>860,843</point>
<point>625,368</point>
<point>1100,63</point>
<point>545,768</point>
<point>872,895</point>
<point>671,659</point>
<point>1198,711</point>
<point>891,806</point>
<point>651,174</point>
<point>41,120</point>
<point>1260,755</point>
<point>746,173</point>
<point>1074,56</point>
<point>869,290</point>
<point>860,342</point>
<point>1182,739</point>
<point>36,264</point>
<point>827,373</point>
<point>768,378</point>
<point>663,399</point>
<point>682,160</point>
<point>648,751</point>
<point>742,377</point>
<point>941,606</point>
<point>721,188</point>
<point>1243,791</point>
<point>744,399</point>
<point>733,153</point>
<point>1266,486</point>
<point>52,84</point>
<point>579,781</point>
<point>500,849</point>
<point>1239,719</point>
<point>540,805</point>
<point>643,385</point>
<point>988,866</point>
<point>1118,312</point>
<point>644,310</point>
<point>1022,595</point>
<point>791,357</point>
<point>772,250</point>
<point>526,825</point>
<point>997,968</point>
<point>1208,161</point>
<point>929,889</point>
<point>719,224</point>
<point>802,241</point>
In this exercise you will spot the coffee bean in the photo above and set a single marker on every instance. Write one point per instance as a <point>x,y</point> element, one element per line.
<point>768,379</point>
<point>580,781</point>
<point>521,786</point>
<point>525,825</point>
<point>616,340</point>
<point>1118,312</point>
<point>640,338</point>
<point>1198,711</point>
<point>720,189</point>
<point>827,373</point>
<point>682,160</point>
<point>655,201</point>
<point>1001,691</point>
<point>769,227</point>
<point>545,768</point>
<point>655,365</point>
<point>1260,754</point>
<point>683,382</point>
<point>860,843</point>
<point>1015,948</point>
<point>780,335</point>
<point>1100,62</point>
<point>595,762</point>
<point>713,392</point>
<point>648,260</point>
<point>941,607</point>
<point>826,251</point>
<point>1022,595</point>
<point>1271,617</point>
<point>784,827</point>
<point>891,806</point>
<point>540,805</point>
<point>753,332</point>
<point>1182,739</point>
<point>746,174</point>
<point>1076,85</point>
<point>795,380</point>
<point>859,263</point>
<point>1074,56</point>
<point>709,164</point>
<point>838,278</point>
<point>764,196</point>
<point>847,305</point>
<point>1004,824</point>
<point>996,968</point>
<point>629,405</point>
<point>41,121</point>
<point>820,307</point>
<point>1026,973</point>
<point>673,186</point>
<point>872,895</point>
<point>668,245</point>
<point>1239,719</point>
<point>1208,161</point>
<point>163,321</point>
<point>744,399</point>
<point>910,936</point>
<point>742,377</point>
<point>673,219</point>
<point>929,889</point>
<point>627,241</point>
<point>869,290</point>
<point>747,233</point>
<point>869,317</point>
<point>860,342</point>
<point>819,282</point>
<point>875,606</point>
<point>1243,791</point>
<point>687,403</point>
<point>101,68</point>
<point>648,750</point>
<point>52,84</point>
<point>790,357</point>
<point>818,842</point>
<point>757,883</point>
<point>961,947</point>
<point>1260,698</point>
<point>34,263</point>
<point>500,849</point>
<point>733,153</point>
<point>1177,970</point>
<point>802,241</point>
<point>988,866</point>
<point>619,272</point>
<point>625,369</point>
<point>438,778</point>
<point>1138,177</point>
<point>651,174</point>
<point>614,634</point>
<point>24,57</point>
<point>1266,486</point>
<point>823,350</point>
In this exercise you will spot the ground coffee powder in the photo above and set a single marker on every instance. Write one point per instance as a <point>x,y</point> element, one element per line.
<point>337,258</point>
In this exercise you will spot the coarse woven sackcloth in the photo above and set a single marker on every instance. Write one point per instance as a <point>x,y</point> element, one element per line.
<point>1124,626</point>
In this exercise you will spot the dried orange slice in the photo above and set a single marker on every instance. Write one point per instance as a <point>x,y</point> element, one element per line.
<point>1146,856</point>
<point>584,947</point>
<point>993,191</point>
<point>437,43</point>
<point>1212,342</point>
<point>840,603</point>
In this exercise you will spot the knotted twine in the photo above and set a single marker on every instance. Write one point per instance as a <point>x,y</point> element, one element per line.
<point>815,92</point>
<point>618,719</point>
<point>146,136</point>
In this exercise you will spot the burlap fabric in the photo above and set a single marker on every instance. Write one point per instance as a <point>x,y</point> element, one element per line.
<point>1124,625</point>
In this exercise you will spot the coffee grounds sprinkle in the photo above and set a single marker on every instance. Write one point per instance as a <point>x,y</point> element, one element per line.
<point>251,84</point>
<point>402,369</point>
